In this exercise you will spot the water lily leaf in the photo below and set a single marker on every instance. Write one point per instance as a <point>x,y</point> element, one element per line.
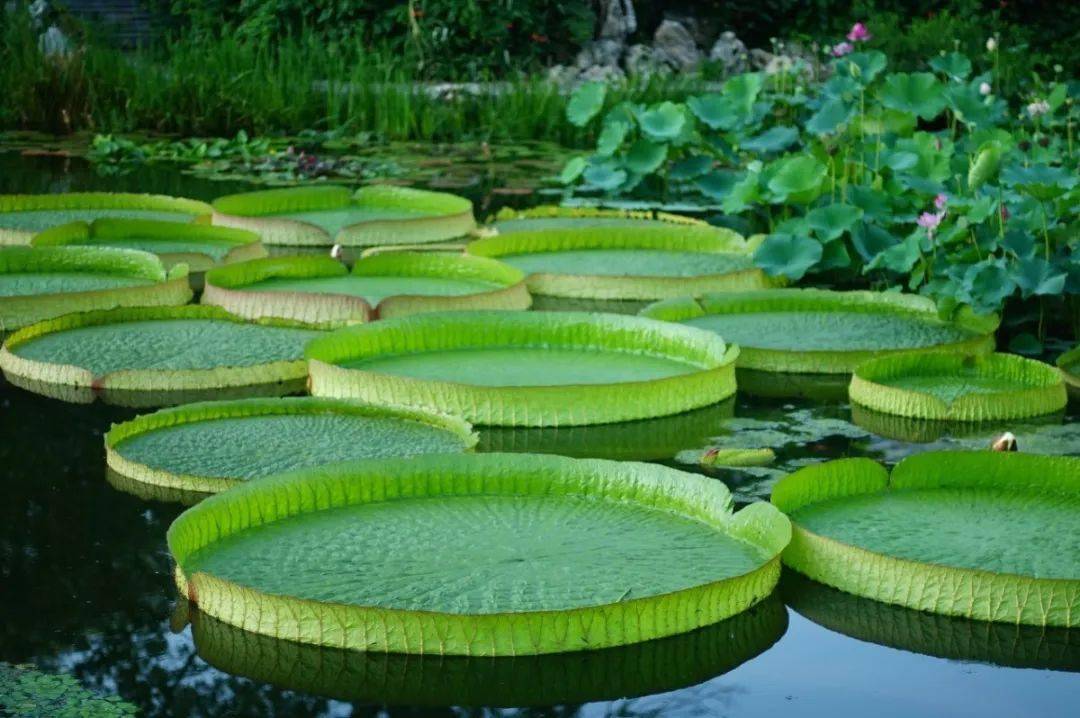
<point>840,87</point>
<point>834,256</point>
<point>830,116</point>
<point>774,139</point>
<point>871,240</point>
<point>1035,276</point>
<point>787,255</point>
<point>830,222</point>
<point>900,160</point>
<point>743,90</point>
<point>611,137</point>
<point>873,202</point>
<point>797,179</point>
<point>954,65</point>
<point>714,110</point>
<point>863,67</point>
<point>1041,181</point>
<point>585,102</point>
<point>1020,243</point>
<point>971,108</point>
<point>644,156</point>
<point>718,184</point>
<point>572,169</point>
<point>919,93</point>
<point>690,167</point>
<point>933,153</point>
<point>605,176</point>
<point>1025,343</point>
<point>921,185</point>
<point>662,122</point>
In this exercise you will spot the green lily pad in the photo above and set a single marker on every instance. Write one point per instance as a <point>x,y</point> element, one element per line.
<point>787,255</point>
<point>919,93</point>
<point>536,525</point>
<point>585,103</point>
<point>956,533</point>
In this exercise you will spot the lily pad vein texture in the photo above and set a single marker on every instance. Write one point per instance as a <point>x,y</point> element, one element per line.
<point>200,246</point>
<point>38,283</point>
<point>157,349</point>
<point>984,535</point>
<point>477,554</point>
<point>212,446</point>
<point>526,368</point>
<point>372,216</point>
<point>24,215</point>
<point>321,292</point>
<point>632,260</point>
<point>958,387</point>
<point>824,331</point>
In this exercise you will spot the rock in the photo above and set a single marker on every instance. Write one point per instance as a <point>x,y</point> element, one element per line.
<point>640,60</point>
<point>731,53</point>
<point>601,73</point>
<point>563,75</point>
<point>54,43</point>
<point>674,45</point>
<point>619,19</point>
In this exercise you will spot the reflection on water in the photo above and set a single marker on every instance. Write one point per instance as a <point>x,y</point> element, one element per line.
<point>1001,644</point>
<point>587,676</point>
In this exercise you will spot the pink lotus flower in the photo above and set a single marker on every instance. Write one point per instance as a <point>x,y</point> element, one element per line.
<point>841,49</point>
<point>859,33</point>
<point>940,201</point>
<point>930,221</point>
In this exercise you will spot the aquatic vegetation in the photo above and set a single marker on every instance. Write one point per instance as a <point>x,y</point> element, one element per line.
<point>958,387</point>
<point>958,533</point>
<point>618,256</point>
<point>24,215</point>
<point>729,458</point>
<point>199,246</point>
<point>638,669</point>
<point>26,692</point>
<point>527,368</point>
<point>827,332</point>
<point>212,446</point>
<point>1069,365</point>
<point>160,350</point>
<point>325,215</point>
<point>320,291</point>
<point>583,585</point>
<point>932,634</point>
<point>38,283</point>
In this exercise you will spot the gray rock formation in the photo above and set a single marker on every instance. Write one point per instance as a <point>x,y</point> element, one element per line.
<point>674,45</point>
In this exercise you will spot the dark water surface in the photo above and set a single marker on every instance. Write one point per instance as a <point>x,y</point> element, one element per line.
<point>85,584</point>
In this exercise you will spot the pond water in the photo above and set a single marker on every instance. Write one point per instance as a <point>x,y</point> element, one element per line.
<point>85,585</point>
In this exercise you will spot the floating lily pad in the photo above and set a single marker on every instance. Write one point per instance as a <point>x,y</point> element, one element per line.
<point>199,246</point>
<point>985,535</point>
<point>39,283</point>
<point>527,368</point>
<point>931,634</point>
<point>827,332</point>
<point>483,555</point>
<point>321,291</point>
<point>24,215</point>
<point>162,350</point>
<point>957,387</point>
<point>554,217</point>
<point>643,440</point>
<point>212,446</point>
<point>625,259</point>
<point>639,669</point>
<point>957,434</point>
<point>325,215</point>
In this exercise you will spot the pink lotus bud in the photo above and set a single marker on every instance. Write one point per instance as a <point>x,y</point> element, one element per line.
<point>940,201</point>
<point>842,48</point>
<point>859,33</point>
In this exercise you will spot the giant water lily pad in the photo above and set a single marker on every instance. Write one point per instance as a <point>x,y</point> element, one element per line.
<point>321,291</point>
<point>985,535</point>
<point>372,216</point>
<point>39,283</point>
<point>555,217</point>
<point>485,554</point>
<point>162,350</point>
<point>931,634</point>
<point>618,258</point>
<point>640,669</point>
<point>24,215</point>
<point>209,447</point>
<point>199,246</point>
<point>826,332</point>
<point>957,387</point>
<point>527,368</point>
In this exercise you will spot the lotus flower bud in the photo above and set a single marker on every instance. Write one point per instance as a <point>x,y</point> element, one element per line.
<point>991,44</point>
<point>985,89</point>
